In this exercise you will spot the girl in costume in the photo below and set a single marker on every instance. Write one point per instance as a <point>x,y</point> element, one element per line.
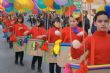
<point>72,31</point>
<point>38,32</point>
<point>19,29</point>
<point>96,44</point>
<point>10,24</point>
<point>54,34</point>
<point>4,21</point>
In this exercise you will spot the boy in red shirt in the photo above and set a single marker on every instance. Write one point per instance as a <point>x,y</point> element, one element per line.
<point>97,44</point>
<point>54,34</point>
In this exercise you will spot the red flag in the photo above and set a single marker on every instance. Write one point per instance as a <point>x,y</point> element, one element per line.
<point>45,46</point>
<point>13,38</point>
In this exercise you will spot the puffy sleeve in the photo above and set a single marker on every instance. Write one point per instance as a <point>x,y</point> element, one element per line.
<point>85,45</point>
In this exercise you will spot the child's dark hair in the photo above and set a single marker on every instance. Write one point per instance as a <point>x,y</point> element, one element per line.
<point>57,19</point>
<point>100,13</point>
<point>77,19</point>
<point>20,17</point>
<point>41,22</point>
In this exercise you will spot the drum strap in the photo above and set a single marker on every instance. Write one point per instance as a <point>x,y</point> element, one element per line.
<point>92,55</point>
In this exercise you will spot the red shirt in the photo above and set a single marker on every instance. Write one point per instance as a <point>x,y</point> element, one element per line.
<point>10,25</point>
<point>4,21</point>
<point>35,31</point>
<point>21,31</point>
<point>101,48</point>
<point>66,35</point>
<point>4,30</point>
<point>51,35</point>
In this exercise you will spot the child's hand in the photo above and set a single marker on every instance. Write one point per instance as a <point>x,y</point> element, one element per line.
<point>20,28</point>
<point>80,33</point>
<point>26,32</point>
<point>10,26</point>
<point>12,22</point>
<point>40,37</point>
<point>44,36</point>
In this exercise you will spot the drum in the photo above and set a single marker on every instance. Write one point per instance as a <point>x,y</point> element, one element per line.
<point>65,55</point>
<point>94,68</point>
<point>33,47</point>
<point>19,45</point>
<point>49,56</point>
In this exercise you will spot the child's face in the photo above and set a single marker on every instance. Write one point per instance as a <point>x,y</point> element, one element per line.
<point>102,23</point>
<point>73,22</point>
<point>57,24</point>
<point>20,20</point>
<point>12,18</point>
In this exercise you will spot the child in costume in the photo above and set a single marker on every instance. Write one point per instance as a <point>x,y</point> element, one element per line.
<point>96,44</point>
<point>38,32</point>
<point>72,31</point>
<point>54,34</point>
<point>4,21</point>
<point>10,24</point>
<point>19,29</point>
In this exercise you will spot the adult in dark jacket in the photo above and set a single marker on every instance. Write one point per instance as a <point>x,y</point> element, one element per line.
<point>87,21</point>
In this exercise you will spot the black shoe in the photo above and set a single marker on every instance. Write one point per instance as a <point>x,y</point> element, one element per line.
<point>33,67</point>
<point>16,62</point>
<point>21,64</point>
<point>39,70</point>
